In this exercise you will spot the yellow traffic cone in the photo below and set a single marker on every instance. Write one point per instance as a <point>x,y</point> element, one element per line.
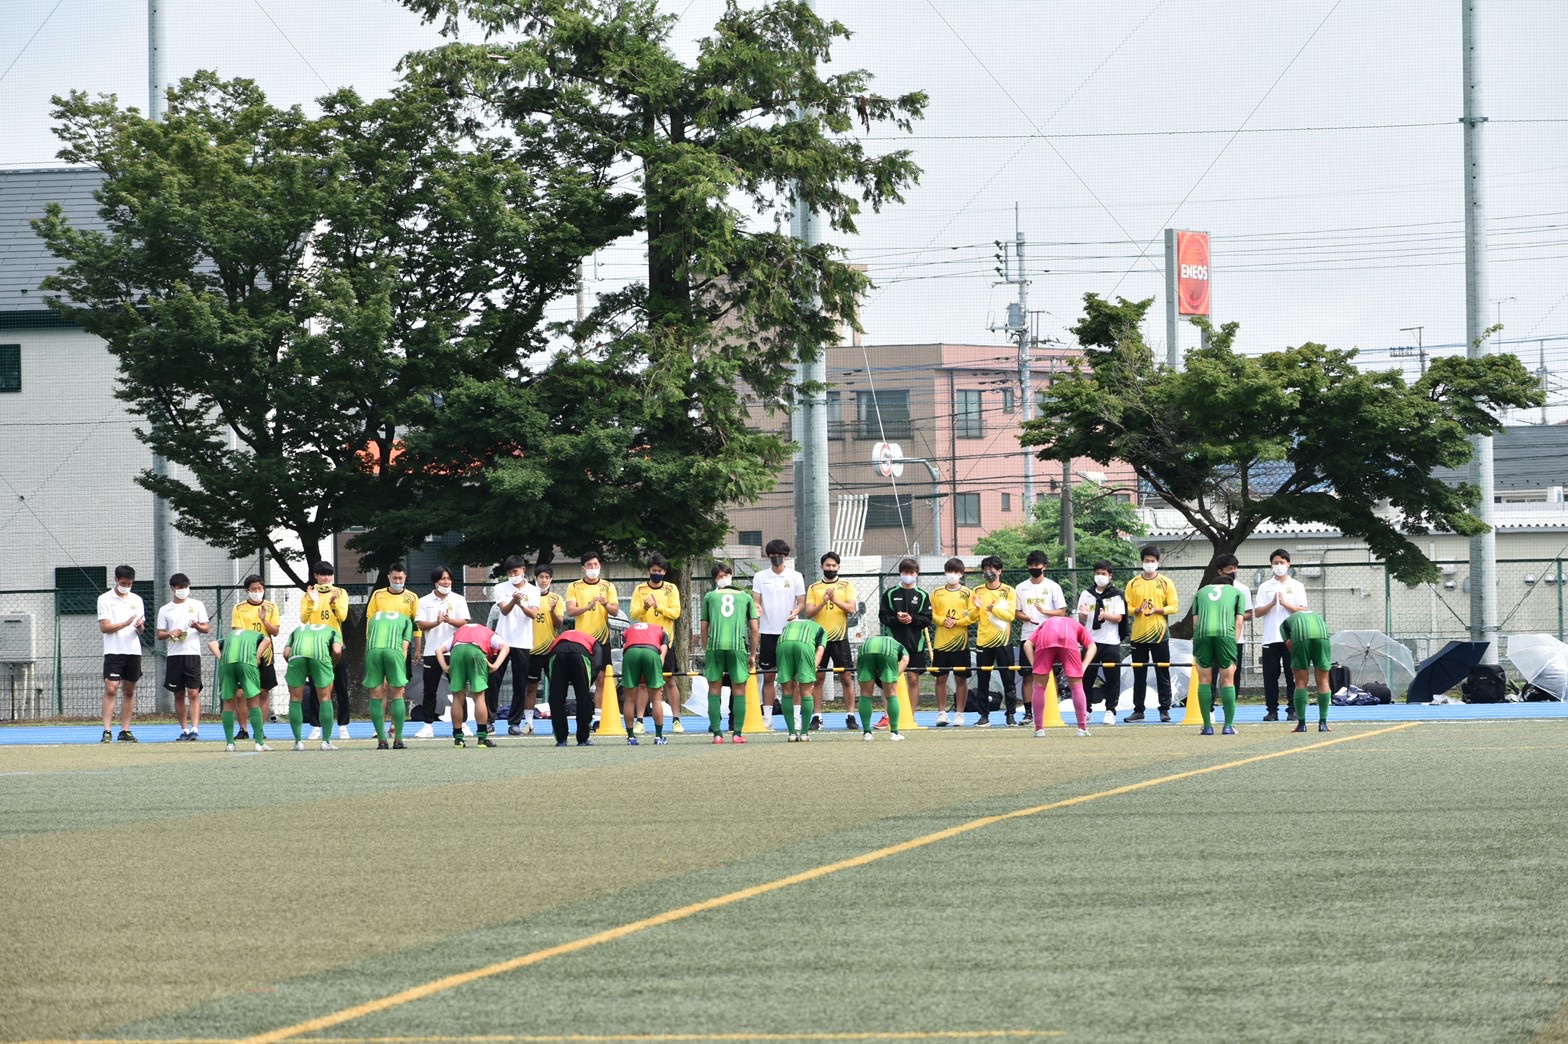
<point>1194,715</point>
<point>906,713</point>
<point>611,721</point>
<point>753,698</point>
<point>1051,713</point>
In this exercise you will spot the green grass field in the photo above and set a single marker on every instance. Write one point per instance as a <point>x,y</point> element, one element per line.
<point>1146,884</point>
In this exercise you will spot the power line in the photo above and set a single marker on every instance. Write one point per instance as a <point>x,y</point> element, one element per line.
<point>30,39</point>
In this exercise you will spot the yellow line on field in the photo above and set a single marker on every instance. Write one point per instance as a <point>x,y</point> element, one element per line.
<point>654,1038</point>
<point>682,913</point>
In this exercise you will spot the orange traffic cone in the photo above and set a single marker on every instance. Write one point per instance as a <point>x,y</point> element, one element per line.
<point>1194,715</point>
<point>1051,713</point>
<point>753,698</point>
<point>906,713</point>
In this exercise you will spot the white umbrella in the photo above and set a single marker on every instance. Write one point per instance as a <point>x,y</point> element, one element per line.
<point>1181,652</point>
<point>1374,656</point>
<point>1542,661</point>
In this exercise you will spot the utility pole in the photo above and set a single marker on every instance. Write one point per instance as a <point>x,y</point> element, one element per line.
<point>1420,346</point>
<point>1017,327</point>
<point>1172,329</point>
<point>1483,548</point>
<point>1541,375</point>
<point>165,540</point>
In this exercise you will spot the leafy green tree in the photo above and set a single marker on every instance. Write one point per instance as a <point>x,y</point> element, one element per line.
<point>1299,435</point>
<point>311,286</point>
<point>1102,523</point>
<point>637,437</point>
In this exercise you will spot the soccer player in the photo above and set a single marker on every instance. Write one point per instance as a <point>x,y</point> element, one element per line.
<point>1067,642</point>
<point>388,635</point>
<point>905,615</point>
<point>310,652</point>
<point>239,680</point>
<point>590,602</point>
<point>728,618</point>
<point>643,646</point>
<point>995,607</point>
<point>1102,609</point>
<point>800,653</point>
<point>179,623</point>
<point>882,659</point>
<point>570,668</point>
<point>1039,597</point>
<point>393,598</point>
<point>552,614</point>
<point>257,614</point>
<point>121,618</point>
<point>326,603</point>
<point>466,658</point>
<point>1278,597</point>
<point>952,612</point>
<point>441,613</point>
<point>517,605</point>
<point>1219,608</point>
<point>781,597</point>
<point>1306,636</point>
<point>831,601</point>
<point>1152,600</point>
<point>657,601</point>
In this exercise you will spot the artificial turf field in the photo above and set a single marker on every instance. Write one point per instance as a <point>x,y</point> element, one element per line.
<point>1379,882</point>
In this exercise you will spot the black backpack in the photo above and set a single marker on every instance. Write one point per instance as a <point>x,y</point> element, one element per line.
<point>1487,684</point>
<point>1124,627</point>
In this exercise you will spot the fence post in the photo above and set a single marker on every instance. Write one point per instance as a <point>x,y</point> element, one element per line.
<point>1559,599</point>
<point>1388,602</point>
<point>59,672</point>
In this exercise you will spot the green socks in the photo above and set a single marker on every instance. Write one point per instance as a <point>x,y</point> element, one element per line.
<point>228,726</point>
<point>738,703</point>
<point>1323,702</point>
<point>256,731</point>
<point>1299,699</point>
<point>1228,698</point>
<point>378,718</point>
<point>658,727</point>
<point>328,719</point>
<point>865,713</point>
<point>715,711</point>
<point>297,720</point>
<point>399,716</point>
<point>789,713</point>
<point>1206,697</point>
<point>895,710</point>
<point>808,710</point>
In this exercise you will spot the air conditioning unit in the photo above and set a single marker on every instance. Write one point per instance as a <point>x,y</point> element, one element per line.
<point>16,638</point>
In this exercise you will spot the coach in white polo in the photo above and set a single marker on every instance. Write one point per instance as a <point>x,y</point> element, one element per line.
<point>1278,597</point>
<point>781,595</point>
<point>122,618</point>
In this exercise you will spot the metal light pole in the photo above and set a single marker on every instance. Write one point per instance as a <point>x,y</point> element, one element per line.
<point>165,540</point>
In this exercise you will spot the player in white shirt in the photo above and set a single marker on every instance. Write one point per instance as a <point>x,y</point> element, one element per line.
<point>1038,598</point>
<point>781,597</point>
<point>517,604</point>
<point>121,618</point>
<point>1278,597</point>
<point>440,614</point>
<point>1102,609</point>
<point>182,623</point>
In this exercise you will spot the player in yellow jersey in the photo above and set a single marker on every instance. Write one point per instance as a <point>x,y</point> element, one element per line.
<point>257,614</point>
<point>393,598</point>
<point>830,602</point>
<point>590,602</point>
<point>952,613</point>
<point>657,601</point>
<point>547,625</point>
<point>996,607</point>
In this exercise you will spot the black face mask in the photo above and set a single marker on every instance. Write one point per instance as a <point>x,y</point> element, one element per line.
<point>1037,571</point>
<point>777,560</point>
<point>830,574</point>
<point>655,579</point>
<point>991,574</point>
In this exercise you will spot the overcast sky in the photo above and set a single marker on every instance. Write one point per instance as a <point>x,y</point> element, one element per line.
<point>1336,213</point>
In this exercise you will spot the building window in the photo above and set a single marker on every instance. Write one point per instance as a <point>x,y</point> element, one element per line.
<point>1007,502</point>
<point>967,508</point>
<point>967,423</point>
<point>10,367</point>
<point>890,512</point>
<point>1008,405</point>
<point>76,589</point>
<point>749,537</point>
<point>882,414</point>
<point>835,415</point>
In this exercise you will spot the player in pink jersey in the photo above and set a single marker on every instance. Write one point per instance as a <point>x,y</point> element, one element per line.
<point>1060,639</point>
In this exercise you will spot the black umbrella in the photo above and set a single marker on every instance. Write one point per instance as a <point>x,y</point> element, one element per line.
<point>1440,672</point>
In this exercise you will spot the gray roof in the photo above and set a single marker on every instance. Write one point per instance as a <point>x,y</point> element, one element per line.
<point>24,260</point>
<point>1524,457</point>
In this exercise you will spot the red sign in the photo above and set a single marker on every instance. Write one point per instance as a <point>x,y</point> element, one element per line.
<point>1192,273</point>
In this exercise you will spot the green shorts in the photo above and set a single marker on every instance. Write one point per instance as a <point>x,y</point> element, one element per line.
<point>468,669</point>
<point>385,667</point>
<point>797,662</point>
<point>732,662</point>
<point>318,671</point>
<point>642,665</point>
<point>245,677</point>
<point>877,666</point>
<point>1215,650</point>
<point>1311,652</point>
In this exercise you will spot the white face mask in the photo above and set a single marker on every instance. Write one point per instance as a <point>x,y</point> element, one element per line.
<point>1101,580</point>
<point>255,597</point>
<point>443,589</point>
<point>542,582</point>
<point>181,593</point>
<point>723,581</point>
<point>517,578</point>
<point>908,579</point>
<point>1150,568</point>
<point>592,572</point>
<point>953,579</point>
<point>1281,569</point>
<point>395,586</point>
<point>123,588</point>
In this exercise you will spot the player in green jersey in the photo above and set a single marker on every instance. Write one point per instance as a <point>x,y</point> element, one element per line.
<point>800,649</point>
<point>239,680</point>
<point>1306,638</point>
<point>1216,639</point>
<point>387,637</point>
<point>882,659</point>
<point>728,617</point>
<point>311,651</point>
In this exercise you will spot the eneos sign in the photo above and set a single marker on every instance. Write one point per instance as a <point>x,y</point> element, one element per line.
<point>1192,273</point>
